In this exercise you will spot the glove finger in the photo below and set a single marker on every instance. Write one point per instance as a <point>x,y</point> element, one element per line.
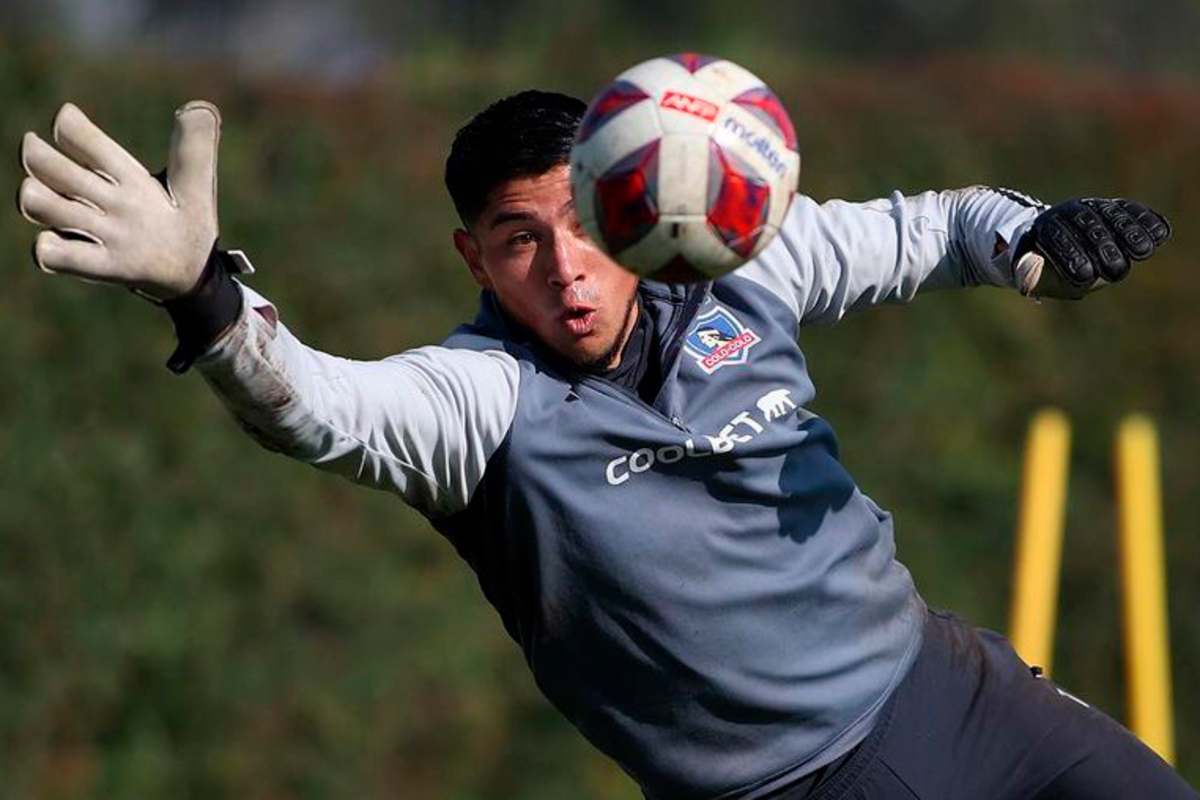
<point>192,174</point>
<point>1132,237</point>
<point>1155,224</point>
<point>42,206</point>
<point>91,147</point>
<point>61,174</point>
<point>1055,240</point>
<point>1097,239</point>
<point>55,253</point>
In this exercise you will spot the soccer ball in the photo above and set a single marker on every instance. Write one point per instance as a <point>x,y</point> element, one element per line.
<point>683,167</point>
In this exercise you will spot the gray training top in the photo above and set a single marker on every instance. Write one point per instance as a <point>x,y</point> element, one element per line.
<point>697,583</point>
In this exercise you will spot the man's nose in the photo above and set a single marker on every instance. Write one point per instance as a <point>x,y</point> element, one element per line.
<point>565,261</point>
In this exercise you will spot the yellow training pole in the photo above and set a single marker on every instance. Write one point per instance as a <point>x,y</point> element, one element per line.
<point>1039,537</point>
<point>1143,576</point>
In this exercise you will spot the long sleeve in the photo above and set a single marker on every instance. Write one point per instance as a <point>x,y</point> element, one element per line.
<point>422,424</point>
<point>839,257</point>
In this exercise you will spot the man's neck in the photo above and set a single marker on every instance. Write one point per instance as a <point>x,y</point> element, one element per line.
<point>611,360</point>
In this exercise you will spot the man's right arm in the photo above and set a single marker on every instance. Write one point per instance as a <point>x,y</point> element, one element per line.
<point>422,424</point>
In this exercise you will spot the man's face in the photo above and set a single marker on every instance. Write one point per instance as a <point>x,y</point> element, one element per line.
<point>527,246</point>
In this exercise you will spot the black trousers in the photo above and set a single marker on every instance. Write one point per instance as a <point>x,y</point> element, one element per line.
<point>972,722</point>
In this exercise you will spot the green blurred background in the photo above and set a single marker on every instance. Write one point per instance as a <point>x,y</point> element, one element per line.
<point>184,615</point>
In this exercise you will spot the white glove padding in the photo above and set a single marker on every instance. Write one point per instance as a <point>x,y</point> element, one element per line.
<point>110,220</point>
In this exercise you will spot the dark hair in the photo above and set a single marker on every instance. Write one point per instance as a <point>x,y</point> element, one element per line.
<point>524,135</point>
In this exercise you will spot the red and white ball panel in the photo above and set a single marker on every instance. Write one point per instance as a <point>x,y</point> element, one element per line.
<point>684,166</point>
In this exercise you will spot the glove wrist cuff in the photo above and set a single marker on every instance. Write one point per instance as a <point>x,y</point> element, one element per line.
<point>206,311</point>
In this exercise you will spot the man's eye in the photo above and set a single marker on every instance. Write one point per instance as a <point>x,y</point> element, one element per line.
<point>521,239</point>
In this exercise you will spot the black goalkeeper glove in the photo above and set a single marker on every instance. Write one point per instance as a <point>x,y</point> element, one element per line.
<point>1088,243</point>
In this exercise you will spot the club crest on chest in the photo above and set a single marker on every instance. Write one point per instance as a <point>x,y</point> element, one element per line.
<point>717,338</point>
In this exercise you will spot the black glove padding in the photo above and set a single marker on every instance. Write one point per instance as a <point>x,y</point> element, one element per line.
<point>1089,243</point>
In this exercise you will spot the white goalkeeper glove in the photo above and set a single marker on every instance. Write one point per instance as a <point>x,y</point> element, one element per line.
<point>108,219</point>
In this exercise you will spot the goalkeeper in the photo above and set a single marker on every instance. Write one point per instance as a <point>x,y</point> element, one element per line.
<point>696,582</point>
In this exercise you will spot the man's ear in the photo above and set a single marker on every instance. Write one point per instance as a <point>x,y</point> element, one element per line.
<point>468,248</point>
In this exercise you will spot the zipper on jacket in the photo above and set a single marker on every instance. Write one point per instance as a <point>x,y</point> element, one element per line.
<point>630,397</point>
<point>674,338</point>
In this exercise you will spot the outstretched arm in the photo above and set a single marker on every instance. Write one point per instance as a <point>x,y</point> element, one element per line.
<point>422,424</point>
<point>840,257</point>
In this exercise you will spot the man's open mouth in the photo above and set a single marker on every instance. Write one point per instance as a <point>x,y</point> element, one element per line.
<point>579,319</point>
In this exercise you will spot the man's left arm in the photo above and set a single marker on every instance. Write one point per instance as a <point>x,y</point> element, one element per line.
<point>839,257</point>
